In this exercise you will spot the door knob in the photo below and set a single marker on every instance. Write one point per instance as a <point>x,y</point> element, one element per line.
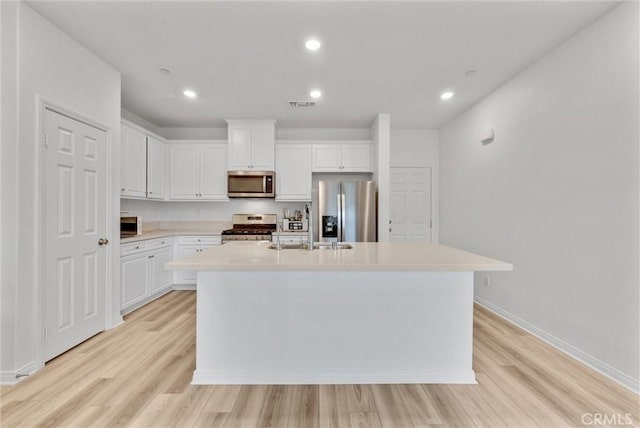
<point>103,241</point>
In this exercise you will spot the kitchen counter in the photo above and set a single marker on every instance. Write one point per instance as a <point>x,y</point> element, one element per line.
<point>377,313</point>
<point>365,256</point>
<point>152,230</point>
<point>166,233</point>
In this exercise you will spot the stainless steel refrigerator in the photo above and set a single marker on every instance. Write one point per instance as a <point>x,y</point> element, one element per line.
<point>347,211</point>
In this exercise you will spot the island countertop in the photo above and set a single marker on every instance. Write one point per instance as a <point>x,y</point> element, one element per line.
<point>364,256</point>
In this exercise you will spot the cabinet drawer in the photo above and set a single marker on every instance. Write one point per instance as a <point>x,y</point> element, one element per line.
<point>160,243</point>
<point>133,248</point>
<point>200,240</point>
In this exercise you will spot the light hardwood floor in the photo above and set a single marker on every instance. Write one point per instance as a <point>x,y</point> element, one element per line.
<point>139,375</point>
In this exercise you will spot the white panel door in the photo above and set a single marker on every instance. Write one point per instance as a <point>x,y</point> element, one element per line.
<point>213,171</point>
<point>184,172</point>
<point>75,211</point>
<point>410,204</point>
<point>156,169</point>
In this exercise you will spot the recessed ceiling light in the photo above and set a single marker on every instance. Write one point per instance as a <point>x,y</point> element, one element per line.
<point>315,93</point>
<point>312,44</point>
<point>189,93</point>
<point>446,95</point>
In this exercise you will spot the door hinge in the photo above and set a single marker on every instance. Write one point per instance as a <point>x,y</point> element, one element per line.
<point>46,140</point>
<point>430,223</point>
<point>46,333</point>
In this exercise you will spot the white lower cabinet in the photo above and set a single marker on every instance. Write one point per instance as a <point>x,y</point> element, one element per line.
<point>142,273</point>
<point>187,246</point>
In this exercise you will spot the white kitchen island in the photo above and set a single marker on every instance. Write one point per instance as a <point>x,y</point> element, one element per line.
<point>377,313</point>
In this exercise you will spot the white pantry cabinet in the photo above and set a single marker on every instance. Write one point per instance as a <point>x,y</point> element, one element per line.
<point>198,172</point>
<point>342,157</point>
<point>293,172</point>
<point>133,163</point>
<point>142,274</point>
<point>251,145</point>
<point>187,246</point>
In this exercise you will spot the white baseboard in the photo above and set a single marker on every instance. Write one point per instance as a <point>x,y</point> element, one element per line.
<point>184,287</point>
<point>13,377</point>
<point>144,301</point>
<point>322,377</point>
<point>599,366</point>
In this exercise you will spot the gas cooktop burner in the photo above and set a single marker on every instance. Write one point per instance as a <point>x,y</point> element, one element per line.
<point>251,227</point>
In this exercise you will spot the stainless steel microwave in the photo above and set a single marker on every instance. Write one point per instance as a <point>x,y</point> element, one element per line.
<point>251,184</point>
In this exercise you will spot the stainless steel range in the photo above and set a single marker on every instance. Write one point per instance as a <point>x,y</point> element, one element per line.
<point>251,227</point>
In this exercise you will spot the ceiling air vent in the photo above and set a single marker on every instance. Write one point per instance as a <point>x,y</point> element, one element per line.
<point>302,103</point>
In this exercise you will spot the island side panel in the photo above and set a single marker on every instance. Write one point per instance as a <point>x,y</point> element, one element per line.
<point>334,327</point>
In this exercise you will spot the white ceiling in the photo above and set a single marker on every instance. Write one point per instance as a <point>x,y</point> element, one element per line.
<point>247,59</point>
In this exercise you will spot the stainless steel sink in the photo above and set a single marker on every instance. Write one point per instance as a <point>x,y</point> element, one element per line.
<point>332,246</point>
<point>316,246</point>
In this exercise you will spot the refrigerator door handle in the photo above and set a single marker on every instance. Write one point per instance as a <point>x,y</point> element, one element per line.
<point>339,225</point>
<point>342,216</point>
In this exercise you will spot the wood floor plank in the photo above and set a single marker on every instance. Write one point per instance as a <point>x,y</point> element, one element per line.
<point>334,410</point>
<point>139,375</point>
<point>390,407</point>
<point>365,420</point>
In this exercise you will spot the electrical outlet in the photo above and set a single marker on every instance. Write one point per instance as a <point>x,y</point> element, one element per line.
<point>487,280</point>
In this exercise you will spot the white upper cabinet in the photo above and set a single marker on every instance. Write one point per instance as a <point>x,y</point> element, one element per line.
<point>143,163</point>
<point>133,164</point>
<point>183,171</point>
<point>213,171</point>
<point>342,157</point>
<point>293,172</point>
<point>251,145</point>
<point>156,168</point>
<point>198,172</point>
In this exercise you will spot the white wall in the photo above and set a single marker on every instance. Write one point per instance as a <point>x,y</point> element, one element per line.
<point>420,148</point>
<point>56,69</point>
<point>8,180</point>
<point>557,194</point>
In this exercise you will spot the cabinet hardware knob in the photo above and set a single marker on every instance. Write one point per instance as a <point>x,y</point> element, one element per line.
<point>122,190</point>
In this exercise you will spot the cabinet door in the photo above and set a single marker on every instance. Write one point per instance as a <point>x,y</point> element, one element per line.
<point>239,147</point>
<point>355,157</point>
<point>156,161</point>
<point>213,172</point>
<point>326,158</point>
<point>186,276</point>
<point>293,172</point>
<point>133,165</point>
<point>262,147</point>
<point>160,277</point>
<point>134,270</point>
<point>184,172</point>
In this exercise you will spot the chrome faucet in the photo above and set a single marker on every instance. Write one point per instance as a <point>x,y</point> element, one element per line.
<point>308,211</point>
